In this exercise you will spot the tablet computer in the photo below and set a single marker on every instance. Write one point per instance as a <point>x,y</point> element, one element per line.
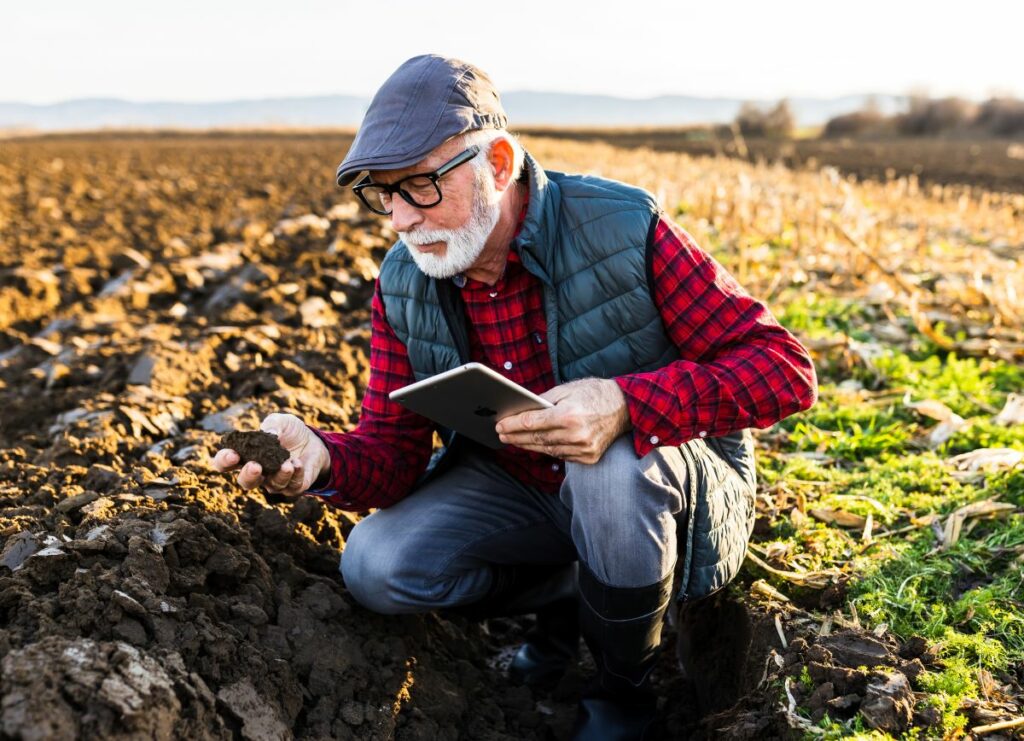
<point>469,399</point>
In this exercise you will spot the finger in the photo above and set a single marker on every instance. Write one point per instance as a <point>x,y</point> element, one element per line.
<point>556,394</point>
<point>273,423</point>
<point>544,419</point>
<point>553,436</point>
<point>555,450</point>
<point>282,478</point>
<point>284,474</point>
<point>564,452</point>
<point>298,483</point>
<point>225,459</point>
<point>251,475</point>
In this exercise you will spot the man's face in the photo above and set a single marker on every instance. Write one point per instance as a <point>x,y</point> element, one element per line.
<point>446,239</point>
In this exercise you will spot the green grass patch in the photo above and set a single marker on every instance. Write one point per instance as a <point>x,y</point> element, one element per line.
<point>866,453</point>
<point>904,486</point>
<point>861,451</point>
<point>966,385</point>
<point>966,599</point>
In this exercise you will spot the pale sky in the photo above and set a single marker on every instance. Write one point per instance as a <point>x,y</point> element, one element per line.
<point>202,50</point>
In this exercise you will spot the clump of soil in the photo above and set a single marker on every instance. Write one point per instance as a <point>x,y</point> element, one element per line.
<point>259,446</point>
<point>853,671</point>
<point>127,691</point>
<point>840,675</point>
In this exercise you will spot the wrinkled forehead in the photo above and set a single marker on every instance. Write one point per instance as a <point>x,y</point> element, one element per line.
<point>437,157</point>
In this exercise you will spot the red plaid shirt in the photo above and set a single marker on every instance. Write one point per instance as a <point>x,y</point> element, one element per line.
<point>738,368</point>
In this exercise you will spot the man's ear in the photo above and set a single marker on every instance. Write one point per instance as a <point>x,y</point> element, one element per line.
<point>501,158</point>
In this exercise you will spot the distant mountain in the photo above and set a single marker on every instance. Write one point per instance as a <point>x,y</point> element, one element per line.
<point>524,107</point>
<point>94,113</point>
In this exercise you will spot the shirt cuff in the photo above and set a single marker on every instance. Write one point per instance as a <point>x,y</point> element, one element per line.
<point>653,427</point>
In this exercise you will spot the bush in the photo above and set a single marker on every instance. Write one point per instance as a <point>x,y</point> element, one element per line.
<point>856,124</point>
<point>1001,117</point>
<point>775,122</point>
<point>928,117</point>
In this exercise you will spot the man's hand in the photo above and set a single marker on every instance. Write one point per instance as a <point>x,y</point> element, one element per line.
<point>309,458</point>
<point>588,416</point>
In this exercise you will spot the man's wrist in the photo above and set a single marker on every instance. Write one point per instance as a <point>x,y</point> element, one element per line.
<point>322,480</point>
<point>324,477</point>
<point>625,421</point>
<point>321,462</point>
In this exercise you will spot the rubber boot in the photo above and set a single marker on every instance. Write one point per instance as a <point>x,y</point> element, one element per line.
<point>553,643</point>
<point>712,645</point>
<point>622,628</point>
<point>550,646</point>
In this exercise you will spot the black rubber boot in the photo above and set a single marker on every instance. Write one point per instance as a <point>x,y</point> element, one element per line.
<point>550,647</point>
<point>622,628</point>
<point>553,643</point>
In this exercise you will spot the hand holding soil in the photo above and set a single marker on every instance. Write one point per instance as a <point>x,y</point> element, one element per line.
<point>288,466</point>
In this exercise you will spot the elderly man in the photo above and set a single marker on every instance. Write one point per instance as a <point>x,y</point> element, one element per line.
<point>580,289</point>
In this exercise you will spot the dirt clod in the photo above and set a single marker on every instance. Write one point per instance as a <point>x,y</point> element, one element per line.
<point>259,446</point>
<point>889,702</point>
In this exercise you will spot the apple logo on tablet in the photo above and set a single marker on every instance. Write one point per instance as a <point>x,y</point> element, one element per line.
<point>482,411</point>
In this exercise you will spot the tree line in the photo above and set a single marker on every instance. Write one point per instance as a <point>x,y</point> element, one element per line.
<point>924,116</point>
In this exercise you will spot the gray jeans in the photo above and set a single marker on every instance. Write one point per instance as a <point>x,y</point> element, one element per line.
<point>435,548</point>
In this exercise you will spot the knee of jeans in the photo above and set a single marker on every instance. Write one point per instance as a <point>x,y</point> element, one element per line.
<point>620,488</point>
<point>604,490</point>
<point>368,568</point>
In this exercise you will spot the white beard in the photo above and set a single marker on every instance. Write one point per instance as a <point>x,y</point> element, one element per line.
<point>463,245</point>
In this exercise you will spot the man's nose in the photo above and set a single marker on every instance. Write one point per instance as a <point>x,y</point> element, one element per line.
<point>403,215</point>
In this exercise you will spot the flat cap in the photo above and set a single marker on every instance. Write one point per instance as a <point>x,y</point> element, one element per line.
<point>426,101</point>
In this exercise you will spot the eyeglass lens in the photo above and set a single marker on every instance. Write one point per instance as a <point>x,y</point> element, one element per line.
<point>420,191</point>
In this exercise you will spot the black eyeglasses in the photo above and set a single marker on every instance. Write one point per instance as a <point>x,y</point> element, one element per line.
<point>420,189</point>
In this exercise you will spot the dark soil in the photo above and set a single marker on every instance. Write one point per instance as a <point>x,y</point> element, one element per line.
<point>259,446</point>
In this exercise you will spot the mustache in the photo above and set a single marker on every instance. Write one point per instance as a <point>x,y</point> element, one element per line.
<point>426,236</point>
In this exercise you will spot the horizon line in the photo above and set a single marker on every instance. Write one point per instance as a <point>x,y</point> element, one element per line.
<point>176,101</point>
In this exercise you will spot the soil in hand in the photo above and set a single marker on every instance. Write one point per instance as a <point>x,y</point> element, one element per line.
<point>259,446</point>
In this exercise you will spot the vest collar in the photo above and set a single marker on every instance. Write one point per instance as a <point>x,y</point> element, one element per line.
<point>536,237</point>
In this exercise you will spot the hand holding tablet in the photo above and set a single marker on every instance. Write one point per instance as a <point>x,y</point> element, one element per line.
<point>469,399</point>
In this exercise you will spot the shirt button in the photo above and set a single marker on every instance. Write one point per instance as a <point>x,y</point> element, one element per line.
<point>493,294</point>
<point>538,338</point>
<point>554,466</point>
<point>655,439</point>
<point>507,365</point>
<point>703,433</point>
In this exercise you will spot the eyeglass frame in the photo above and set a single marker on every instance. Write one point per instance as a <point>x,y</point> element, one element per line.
<point>396,187</point>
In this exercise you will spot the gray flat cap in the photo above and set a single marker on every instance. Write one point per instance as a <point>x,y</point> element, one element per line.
<point>425,101</point>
